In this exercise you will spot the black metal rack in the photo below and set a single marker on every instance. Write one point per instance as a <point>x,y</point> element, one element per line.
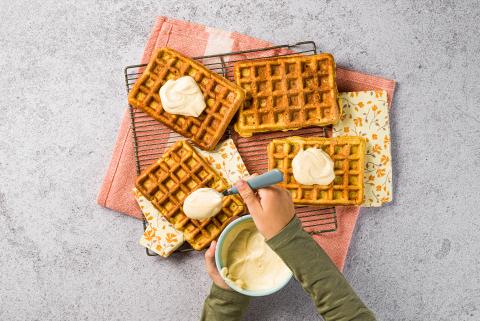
<point>149,135</point>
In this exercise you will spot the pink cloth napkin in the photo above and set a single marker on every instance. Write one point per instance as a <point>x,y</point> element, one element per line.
<point>197,40</point>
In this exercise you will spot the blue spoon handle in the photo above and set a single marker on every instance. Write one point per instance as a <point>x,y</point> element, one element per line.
<point>270,178</point>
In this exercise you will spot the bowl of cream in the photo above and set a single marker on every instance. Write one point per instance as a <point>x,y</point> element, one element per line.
<point>246,263</point>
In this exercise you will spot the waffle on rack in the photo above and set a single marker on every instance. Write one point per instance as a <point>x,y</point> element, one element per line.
<point>348,154</point>
<point>287,93</point>
<point>222,97</point>
<point>167,183</point>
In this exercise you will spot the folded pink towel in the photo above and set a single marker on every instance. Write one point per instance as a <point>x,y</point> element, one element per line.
<point>197,40</point>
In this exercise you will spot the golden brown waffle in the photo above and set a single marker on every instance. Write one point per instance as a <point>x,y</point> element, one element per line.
<point>348,154</point>
<point>222,97</point>
<point>167,183</point>
<point>287,93</point>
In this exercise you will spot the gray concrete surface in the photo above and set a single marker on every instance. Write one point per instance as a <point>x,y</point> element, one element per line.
<point>62,257</point>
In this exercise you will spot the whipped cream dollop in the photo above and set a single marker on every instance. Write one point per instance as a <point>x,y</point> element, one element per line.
<point>203,203</point>
<point>250,263</point>
<point>182,97</point>
<point>313,166</point>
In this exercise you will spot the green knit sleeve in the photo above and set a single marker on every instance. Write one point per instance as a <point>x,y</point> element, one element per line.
<point>224,305</point>
<point>332,295</point>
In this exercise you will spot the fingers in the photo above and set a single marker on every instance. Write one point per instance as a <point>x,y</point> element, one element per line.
<point>249,198</point>
<point>270,191</point>
<point>210,259</point>
<point>274,194</point>
<point>212,268</point>
<point>211,249</point>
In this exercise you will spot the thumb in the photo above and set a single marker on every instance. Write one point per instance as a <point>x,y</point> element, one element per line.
<point>249,197</point>
<point>210,259</point>
<point>212,268</point>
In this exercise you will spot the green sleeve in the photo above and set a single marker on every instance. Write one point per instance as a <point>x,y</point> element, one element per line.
<point>334,298</point>
<point>224,305</point>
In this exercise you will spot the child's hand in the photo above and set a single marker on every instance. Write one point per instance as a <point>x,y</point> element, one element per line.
<point>271,210</point>
<point>212,268</point>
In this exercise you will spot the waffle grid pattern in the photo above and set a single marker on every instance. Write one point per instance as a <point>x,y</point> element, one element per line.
<point>223,98</point>
<point>287,93</point>
<point>167,183</point>
<point>348,154</point>
<point>152,138</point>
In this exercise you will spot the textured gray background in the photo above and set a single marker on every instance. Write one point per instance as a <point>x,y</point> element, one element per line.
<point>62,257</point>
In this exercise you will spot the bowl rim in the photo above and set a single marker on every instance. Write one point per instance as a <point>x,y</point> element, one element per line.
<point>232,285</point>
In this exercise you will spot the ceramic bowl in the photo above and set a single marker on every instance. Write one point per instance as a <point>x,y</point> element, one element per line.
<point>233,226</point>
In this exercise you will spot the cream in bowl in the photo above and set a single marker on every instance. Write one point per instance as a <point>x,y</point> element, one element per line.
<point>247,264</point>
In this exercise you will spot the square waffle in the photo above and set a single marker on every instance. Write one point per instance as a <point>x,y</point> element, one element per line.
<point>348,155</point>
<point>287,93</point>
<point>222,97</point>
<point>167,183</point>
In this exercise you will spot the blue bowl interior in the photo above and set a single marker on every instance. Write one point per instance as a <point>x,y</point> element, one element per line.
<point>219,263</point>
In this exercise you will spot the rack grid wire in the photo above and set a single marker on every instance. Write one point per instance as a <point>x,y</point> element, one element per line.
<point>151,138</point>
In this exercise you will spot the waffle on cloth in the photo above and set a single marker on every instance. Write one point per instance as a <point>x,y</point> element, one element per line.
<point>167,183</point>
<point>287,93</point>
<point>348,154</point>
<point>222,97</point>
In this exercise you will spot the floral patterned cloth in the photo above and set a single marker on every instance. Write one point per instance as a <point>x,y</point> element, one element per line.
<point>160,236</point>
<point>226,161</point>
<point>365,113</point>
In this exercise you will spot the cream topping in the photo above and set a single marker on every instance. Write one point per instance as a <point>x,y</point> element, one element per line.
<point>250,263</point>
<point>313,166</point>
<point>203,203</point>
<point>182,97</point>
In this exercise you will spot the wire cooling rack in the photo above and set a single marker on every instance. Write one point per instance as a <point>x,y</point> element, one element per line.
<point>151,138</point>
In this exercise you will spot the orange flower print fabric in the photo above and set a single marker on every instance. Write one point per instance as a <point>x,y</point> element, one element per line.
<point>160,236</point>
<point>226,161</point>
<point>365,113</point>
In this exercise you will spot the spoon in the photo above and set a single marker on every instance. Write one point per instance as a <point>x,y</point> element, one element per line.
<point>269,178</point>
<point>207,202</point>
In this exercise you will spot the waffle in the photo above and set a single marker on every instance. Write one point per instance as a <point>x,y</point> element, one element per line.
<point>172,178</point>
<point>222,97</point>
<point>287,93</point>
<point>348,154</point>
